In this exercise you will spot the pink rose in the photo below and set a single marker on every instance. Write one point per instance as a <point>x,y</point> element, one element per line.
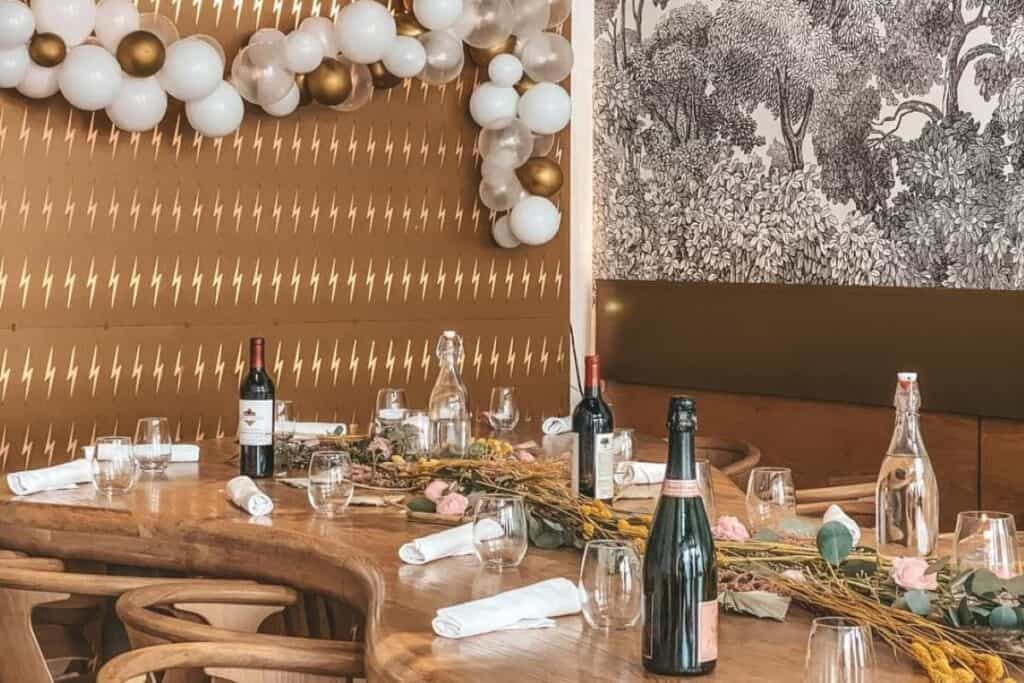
<point>909,573</point>
<point>436,490</point>
<point>453,504</point>
<point>729,528</point>
<point>525,456</point>
<point>794,575</point>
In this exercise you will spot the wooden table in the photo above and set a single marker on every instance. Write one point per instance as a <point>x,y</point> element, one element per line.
<point>183,522</point>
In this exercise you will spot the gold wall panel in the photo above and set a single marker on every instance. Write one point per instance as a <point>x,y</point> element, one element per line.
<point>134,267</point>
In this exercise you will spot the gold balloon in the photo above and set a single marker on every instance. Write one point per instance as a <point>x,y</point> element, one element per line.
<point>524,84</point>
<point>407,25</point>
<point>482,56</point>
<point>305,97</point>
<point>47,49</point>
<point>541,176</point>
<point>141,54</point>
<point>330,84</point>
<point>382,78</point>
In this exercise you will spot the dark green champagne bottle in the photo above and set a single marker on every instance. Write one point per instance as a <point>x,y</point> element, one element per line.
<point>680,636</point>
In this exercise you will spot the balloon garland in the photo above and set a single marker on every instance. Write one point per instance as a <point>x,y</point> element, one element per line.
<point>108,56</point>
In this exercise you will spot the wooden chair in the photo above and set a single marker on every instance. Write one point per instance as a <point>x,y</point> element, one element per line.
<point>138,610</point>
<point>293,665</point>
<point>735,459</point>
<point>857,500</point>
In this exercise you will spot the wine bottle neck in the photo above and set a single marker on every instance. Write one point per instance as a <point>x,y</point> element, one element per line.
<point>256,355</point>
<point>681,455</point>
<point>592,377</point>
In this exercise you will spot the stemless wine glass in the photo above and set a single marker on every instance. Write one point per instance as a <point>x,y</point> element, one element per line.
<point>707,489</point>
<point>839,650</point>
<point>622,437</point>
<point>418,423</point>
<point>114,469</point>
<point>610,585</point>
<point>391,407</point>
<point>500,534</point>
<point>504,413</point>
<point>284,430</point>
<point>330,483</point>
<point>770,497</point>
<point>153,443</point>
<point>986,540</point>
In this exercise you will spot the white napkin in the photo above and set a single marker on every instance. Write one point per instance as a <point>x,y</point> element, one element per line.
<point>62,476</point>
<point>528,607</point>
<point>243,492</point>
<point>836,514</point>
<point>180,452</point>
<point>557,425</point>
<point>644,473</point>
<point>448,543</point>
<point>309,430</point>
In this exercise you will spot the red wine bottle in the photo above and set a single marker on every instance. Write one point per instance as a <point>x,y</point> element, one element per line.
<point>680,635</point>
<point>594,470</point>
<point>256,416</point>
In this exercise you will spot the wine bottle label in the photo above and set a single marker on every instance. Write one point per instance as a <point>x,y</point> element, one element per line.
<point>255,423</point>
<point>680,488</point>
<point>708,623</point>
<point>604,466</point>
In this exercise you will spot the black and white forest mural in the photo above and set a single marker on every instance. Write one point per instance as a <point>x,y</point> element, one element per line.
<point>836,142</point>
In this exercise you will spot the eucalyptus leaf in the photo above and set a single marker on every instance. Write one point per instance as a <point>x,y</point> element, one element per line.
<point>421,504</point>
<point>1015,585</point>
<point>937,565</point>
<point>1003,617</point>
<point>963,612</point>
<point>952,619</point>
<point>834,543</point>
<point>544,534</point>
<point>761,604</point>
<point>984,582</point>
<point>918,602</point>
<point>1020,615</point>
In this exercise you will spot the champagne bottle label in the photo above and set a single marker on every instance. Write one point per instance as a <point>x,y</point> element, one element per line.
<point>708,621</point>
<point>255,423</point>
<point>604,466</point>
<point>680,488</point>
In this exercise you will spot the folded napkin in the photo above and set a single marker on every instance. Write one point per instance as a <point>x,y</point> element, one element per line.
<point>837,514</point>
<point>63,476</point>
<point>528,607</point>
<point>643,473</point>
<point>180,452</point>
<point>448,543</point>
<point>243,492</point>
<point>310,430</point>
<point>557,425</point>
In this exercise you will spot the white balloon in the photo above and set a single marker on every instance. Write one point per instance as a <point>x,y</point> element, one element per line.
<point>39,82</point>
<point>406,57</point>
<point>437,14</point>
<point>362,87</point>
<point>501,231</point>
<point>286,105</point>
<point>365,30</point>
<point>485,23</point>
<point>532,16</point>
<point>114,20</point>
<point>192,70</point>
<point>542,145</point>
<point>16,23</point>
<point>323,29</point>
<point>547,57</point>
<point>215,44</point>
<point>266,35</point>
<point>218,114</point>
<point>535,221</point>
<point>501,191</point>
<point>72,20</point>
<point>445,57</point>
<point>509,147</point>
<point>258,81</point>
<point>546,108</point>
<point>14,63</point>
<point>560,11</point>
<point>493,106</point>
<point>303,52</point>
<point>140,105</point>
<point>505,70</point>
<point>90,77</point>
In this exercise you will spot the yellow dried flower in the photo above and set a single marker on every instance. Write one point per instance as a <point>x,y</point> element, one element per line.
<point>919,651</point>
<point>623,526</point>
<point>961,675</point>
<point>397,459</point>
<point>588,530</point>
<point>989,668</point>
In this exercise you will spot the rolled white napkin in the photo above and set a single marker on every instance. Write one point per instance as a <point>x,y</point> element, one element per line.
<point>243,492</point>
<point>836,514</point>
<point>309,430</point>
<point>63,476</point>
<point>448,543</point>
<point>180,452</point>
<point>532,606</point>
<point>643,473</point>
<point>557,425</point>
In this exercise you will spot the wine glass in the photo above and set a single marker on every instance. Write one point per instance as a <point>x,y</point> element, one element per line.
<point>391,407</point>
<point>418,421</point>
<point>500,534</point>
<point>113,465</point>
<point>504,413</point>
<point>330,486</point>
<point>986,540</point>
<point>284,430</point>
<point>839,650</point>
<point>707,489</point>
<point>153,444</point>
<point>610,585</point>
<point>770,497</point>
<point>624,444</point>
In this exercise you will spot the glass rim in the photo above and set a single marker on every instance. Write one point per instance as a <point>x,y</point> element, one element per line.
<point>985,514</point>
<point>500,496</point>
<point>772,470</point>
<point>610,543</point>
<point>840,624</point>
<point>153,419</point>
<point>112,438</point>
<point>329,454</point>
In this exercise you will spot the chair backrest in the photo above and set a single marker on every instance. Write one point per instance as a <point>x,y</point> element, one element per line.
<point>857,500</point>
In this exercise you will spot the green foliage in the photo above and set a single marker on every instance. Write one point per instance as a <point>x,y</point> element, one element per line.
<point>834,543</point>
<point>1003,617</point>
<point>421,504</point>
<point>919,602</point>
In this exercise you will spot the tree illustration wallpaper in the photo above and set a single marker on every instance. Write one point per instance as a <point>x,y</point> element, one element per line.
<point>835,142</point>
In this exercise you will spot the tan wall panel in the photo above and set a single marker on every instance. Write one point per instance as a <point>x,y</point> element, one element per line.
<point>1002,466</point>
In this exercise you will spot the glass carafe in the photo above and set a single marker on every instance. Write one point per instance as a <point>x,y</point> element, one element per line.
<point>450,429</point>
<point>907,496</point>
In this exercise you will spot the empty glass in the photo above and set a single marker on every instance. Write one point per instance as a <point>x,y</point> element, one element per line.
<point>500,534</point>
<point>391,407</point>
<point>770,498</point>
<point>330,483</point>
<point>610,585</point>
<point>839,651</point>
<point>284,430</point>
<point>623,440</point>
<point>153,443</point>
<point>114,469</point>
<point>707,489</point>
<point>419,422</point>
<point>504,413</point>
<point>986,540</point>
